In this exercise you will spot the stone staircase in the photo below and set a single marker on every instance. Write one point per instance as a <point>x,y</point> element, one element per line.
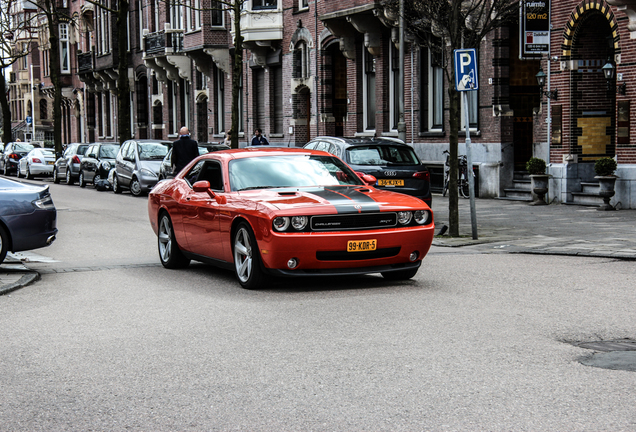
<point>521,189</point>
<point>588,196</point>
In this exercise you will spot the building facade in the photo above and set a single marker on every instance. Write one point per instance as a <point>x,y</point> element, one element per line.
<point>316,67</point>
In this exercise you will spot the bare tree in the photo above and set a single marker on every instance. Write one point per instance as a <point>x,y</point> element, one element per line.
<point>12,29</point>
<point>443,26</point>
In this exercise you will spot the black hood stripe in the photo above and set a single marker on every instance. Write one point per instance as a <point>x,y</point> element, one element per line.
<point>344,199</point>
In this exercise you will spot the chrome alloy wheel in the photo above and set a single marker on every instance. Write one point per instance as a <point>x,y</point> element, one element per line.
<point>165,239</point>
<point>243,255</point>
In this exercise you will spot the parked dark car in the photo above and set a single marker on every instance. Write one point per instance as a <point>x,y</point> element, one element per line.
<point>11,155</point>
<point>68,165</point>
<point>137,165</point>
<point>393,163</point>
<point>28,217</point>
<point>97,162</point>
<point>165,172</point>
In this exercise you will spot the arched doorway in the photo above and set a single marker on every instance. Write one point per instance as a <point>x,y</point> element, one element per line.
<point>202,119</point>
<point>302,115</point>
<point>592,109</point>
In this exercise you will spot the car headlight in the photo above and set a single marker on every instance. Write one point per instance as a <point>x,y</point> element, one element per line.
<point>404,217</point>
<point>281,223</point>
<point>106,165</point>
<point>146,171</point>
<point>299,222</point>
<point>421,216</point>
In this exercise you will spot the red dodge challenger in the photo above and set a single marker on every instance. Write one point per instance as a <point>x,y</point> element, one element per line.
<point>287,212</point>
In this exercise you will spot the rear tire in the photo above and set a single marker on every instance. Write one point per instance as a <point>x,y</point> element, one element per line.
<point>169,253</point>
<point>400,274</point>
<point>81,181</point>
<point>247,258</point>
<point>29,176</point>
<point>18,174</point>
<point>4,244</point>
<point>69,177</point>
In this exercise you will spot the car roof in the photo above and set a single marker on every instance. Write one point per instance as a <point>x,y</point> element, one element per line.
<point>260,151</point>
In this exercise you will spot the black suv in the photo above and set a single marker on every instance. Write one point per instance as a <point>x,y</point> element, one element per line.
<point>393,163</point>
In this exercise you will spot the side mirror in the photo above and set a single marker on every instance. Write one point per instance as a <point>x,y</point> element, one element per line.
<point>203,186</point>
<point>367,178</point>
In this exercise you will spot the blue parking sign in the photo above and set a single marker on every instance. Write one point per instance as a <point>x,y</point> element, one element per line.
<point>466,69</point>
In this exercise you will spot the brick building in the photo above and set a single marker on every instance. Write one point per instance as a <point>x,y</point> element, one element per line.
<point>315,67</point>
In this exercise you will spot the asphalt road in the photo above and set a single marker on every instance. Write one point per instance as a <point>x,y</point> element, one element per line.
<point>109,340</point>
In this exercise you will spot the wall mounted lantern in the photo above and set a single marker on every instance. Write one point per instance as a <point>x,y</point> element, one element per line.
<point>552,94</point>
<point>608,72</point>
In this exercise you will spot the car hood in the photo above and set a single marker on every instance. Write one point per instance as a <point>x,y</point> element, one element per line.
<point>153,165</point>
<point>344,199</point>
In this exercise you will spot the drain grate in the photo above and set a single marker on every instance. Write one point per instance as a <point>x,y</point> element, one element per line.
<point>608,346</point>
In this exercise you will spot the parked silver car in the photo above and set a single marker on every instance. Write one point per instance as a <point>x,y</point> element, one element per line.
<point>68,165</point>
<point>137,165</point>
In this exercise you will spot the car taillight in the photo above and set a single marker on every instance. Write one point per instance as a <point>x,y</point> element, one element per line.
<point>76,159</point>
<point>424,175</point>
<point>14,156</point>
<point>36,160</point>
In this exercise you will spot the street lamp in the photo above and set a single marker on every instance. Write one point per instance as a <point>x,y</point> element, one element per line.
<point>608,72</point>
<point>553,94</point>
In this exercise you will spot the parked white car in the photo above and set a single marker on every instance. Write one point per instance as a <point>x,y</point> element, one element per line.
<point>38,162</point>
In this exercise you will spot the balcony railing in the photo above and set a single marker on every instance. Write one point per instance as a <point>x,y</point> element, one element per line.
<point>163,42</point>
<point>85,62</point>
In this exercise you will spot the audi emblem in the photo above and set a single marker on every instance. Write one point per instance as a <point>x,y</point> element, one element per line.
<point>390,173</point>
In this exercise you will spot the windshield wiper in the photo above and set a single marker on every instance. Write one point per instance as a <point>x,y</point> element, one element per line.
<point>259,187</point>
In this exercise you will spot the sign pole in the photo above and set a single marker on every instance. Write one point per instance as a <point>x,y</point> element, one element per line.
<point>469,169</point>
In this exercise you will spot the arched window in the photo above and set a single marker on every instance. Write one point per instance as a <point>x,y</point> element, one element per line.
<point>301,60</point>
<point>43,109</point>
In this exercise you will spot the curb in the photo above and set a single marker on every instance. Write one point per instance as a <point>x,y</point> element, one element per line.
<point>25,280</point>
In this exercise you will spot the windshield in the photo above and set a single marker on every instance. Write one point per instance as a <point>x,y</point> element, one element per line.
<point>289,171</point>
<point>152,151</point>
<point>382,155</point>
<point>23,147</point>
<point>108,151</point>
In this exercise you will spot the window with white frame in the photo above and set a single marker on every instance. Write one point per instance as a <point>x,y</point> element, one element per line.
<point>303,4</point>
<point>155,9</point>
<point>220,100</point>
<point>264,4</point>
<point>176,14</point>
<point>65,62</point>
<point>394,76</point>
<point>301,60</point>
<point>141,24</point>
<point>103,29</point>
<point>197,14</point>
<point>436,92</point>
<point>368,90</point>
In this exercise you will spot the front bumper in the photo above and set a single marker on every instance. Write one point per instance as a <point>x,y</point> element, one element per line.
<point>325,253</point>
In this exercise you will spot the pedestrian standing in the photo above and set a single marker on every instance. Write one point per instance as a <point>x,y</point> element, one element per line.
<point>183,151</point>
<point>259,139</point>
<point>228,138</point>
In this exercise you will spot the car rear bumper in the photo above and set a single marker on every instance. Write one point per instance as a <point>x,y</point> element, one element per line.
<point>326,253</point>
<point>32,231</point>
<point>40,169</point>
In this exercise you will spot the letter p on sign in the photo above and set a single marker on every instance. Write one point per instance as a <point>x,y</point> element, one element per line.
<point>466,78</point>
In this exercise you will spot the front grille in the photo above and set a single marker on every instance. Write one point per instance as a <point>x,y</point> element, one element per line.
<point>352,256</point>
<point>353,221</point>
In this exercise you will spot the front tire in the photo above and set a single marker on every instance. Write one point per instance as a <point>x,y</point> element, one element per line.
<point>56,176</point>
<point>116,187</point>
<point>247,259</point>
<point>96,179</point>
<point>169,253</point>
<point>135,187</point>
<point>400,275</point>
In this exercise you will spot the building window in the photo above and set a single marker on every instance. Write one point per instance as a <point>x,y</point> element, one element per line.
<point>394,76</point>
<point>368,90</point>
<point>436,92</point>
<point>176,15</point>
<point>217,13</point>
<point>473,109</point>
<point>276,95</point>
<point>264,4</point>
<point>219,105</point>
<point>303,4</point>
<point>301,60</point>
<point>197,14</point>
<point>65,64</point>
<point>44,109</point>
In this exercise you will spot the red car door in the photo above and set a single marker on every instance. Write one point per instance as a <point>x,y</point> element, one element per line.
<point>200,215</point>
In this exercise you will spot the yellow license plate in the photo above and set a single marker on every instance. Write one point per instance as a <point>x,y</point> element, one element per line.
<point>51,162</point>
<point>361,245</point>
<point>387,182</point>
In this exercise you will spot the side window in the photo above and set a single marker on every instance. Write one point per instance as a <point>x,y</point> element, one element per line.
<point>124,149</point>
<point>311,146</point>
<point>68,151</point>
<point>191,177</point>
<point>323,146</point>
<point>335,150</point>
<point>212,173</point>
<point>130,153</point>
<point>92,150</point>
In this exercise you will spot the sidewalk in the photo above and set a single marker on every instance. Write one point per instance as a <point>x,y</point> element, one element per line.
<point>557,229</point>
<point>502,226</point>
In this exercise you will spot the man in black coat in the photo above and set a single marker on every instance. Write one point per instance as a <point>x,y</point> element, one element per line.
<point>183,151</point>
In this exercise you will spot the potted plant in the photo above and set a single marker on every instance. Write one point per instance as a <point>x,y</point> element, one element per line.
<point>604,169</point>
<point>539,179</point>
